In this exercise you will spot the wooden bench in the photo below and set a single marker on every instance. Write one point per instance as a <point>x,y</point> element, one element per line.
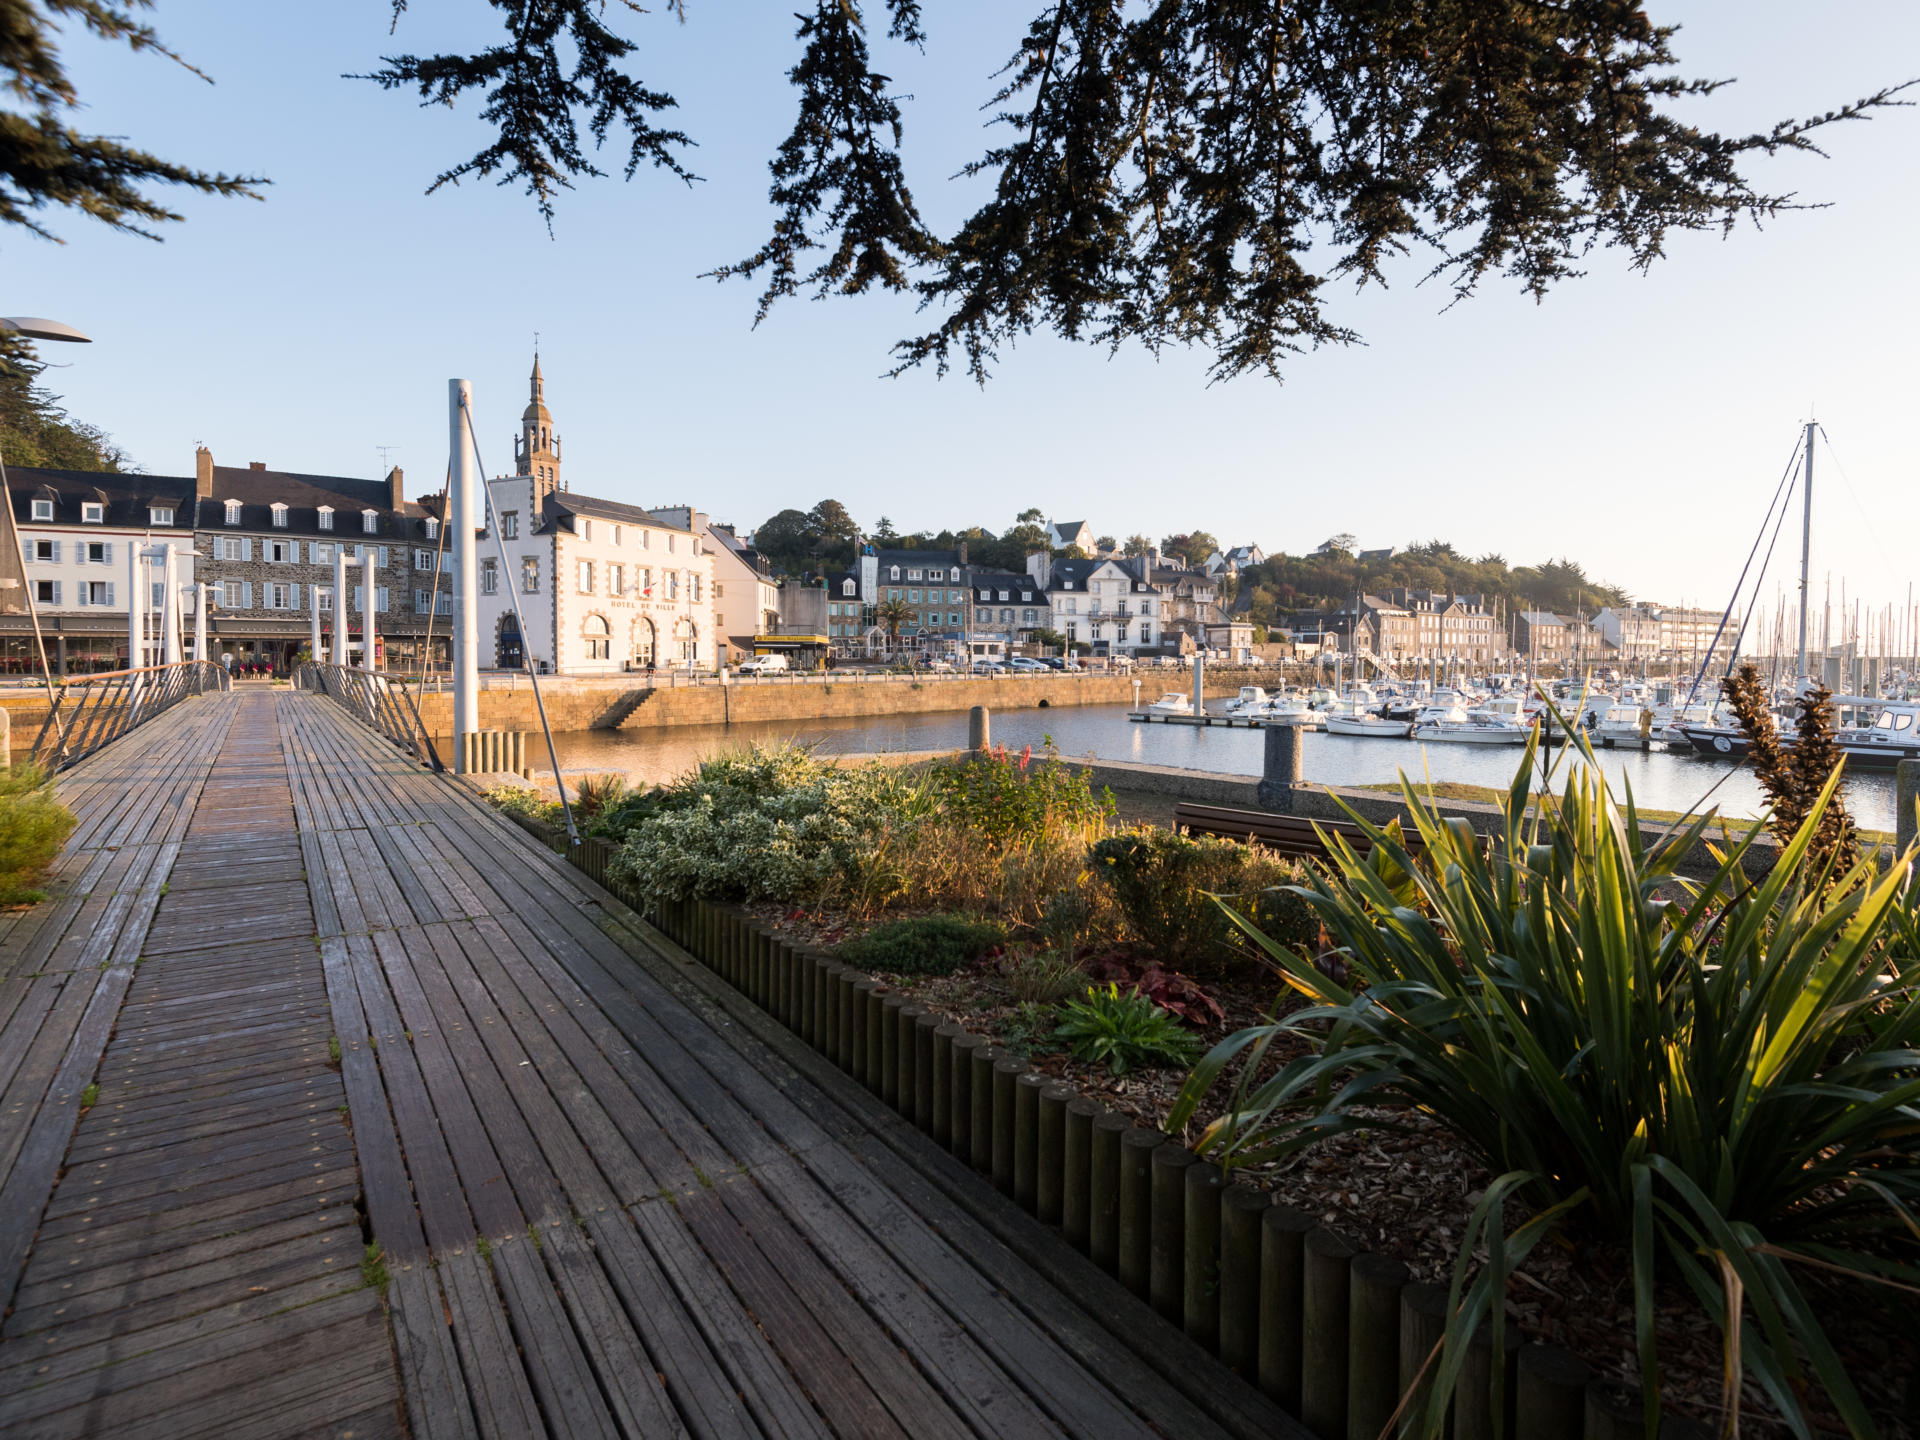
<point>1287,834</point>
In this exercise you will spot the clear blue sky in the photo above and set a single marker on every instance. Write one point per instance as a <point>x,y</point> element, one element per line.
<point>1635,423</point>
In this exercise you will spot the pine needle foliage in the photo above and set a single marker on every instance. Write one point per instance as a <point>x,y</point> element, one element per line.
<point>1794,776</point>
<point>1727,1085</point>
<point>44,162</point>
<point>34,429</point>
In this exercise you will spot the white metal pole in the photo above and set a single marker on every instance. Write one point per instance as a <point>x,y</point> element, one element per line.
<point>313,641</point>
<point>467,515</point>
<point>136,638</point>
<point>170,607</point>
<point>1806,545</point>
<point>369,554</point>
<point>340,608</point>
<point>200,620</point>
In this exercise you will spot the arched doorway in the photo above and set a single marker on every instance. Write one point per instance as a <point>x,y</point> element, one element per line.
<point>598,635</point>
<point>646,641</point>
<point>508,652</point>
<point>686,639</point>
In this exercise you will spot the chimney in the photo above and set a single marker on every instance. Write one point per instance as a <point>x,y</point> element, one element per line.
<point>259,465</point>
<point>396,489</point>
<point>963,552</point>
<point>203,472</point>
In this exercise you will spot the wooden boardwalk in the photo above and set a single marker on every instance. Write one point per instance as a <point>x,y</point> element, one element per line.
<point>611,1197</point>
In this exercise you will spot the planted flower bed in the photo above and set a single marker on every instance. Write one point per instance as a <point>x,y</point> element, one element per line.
<point>1514,1064</point>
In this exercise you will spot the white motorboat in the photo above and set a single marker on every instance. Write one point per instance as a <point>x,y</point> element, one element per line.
<point>1251,702</point>
<point>1365,724</point>
<point>1625,725</point>
<point>1174,702</point>
<point>1291,710</point>
<point>1458,726</point>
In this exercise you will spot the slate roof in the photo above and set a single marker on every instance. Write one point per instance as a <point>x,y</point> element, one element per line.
<point>128,498</point>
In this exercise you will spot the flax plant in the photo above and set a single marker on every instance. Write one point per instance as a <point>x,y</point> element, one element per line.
<point>1725,1082</point>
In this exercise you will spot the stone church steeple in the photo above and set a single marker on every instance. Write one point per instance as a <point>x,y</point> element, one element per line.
<point>536,452</point>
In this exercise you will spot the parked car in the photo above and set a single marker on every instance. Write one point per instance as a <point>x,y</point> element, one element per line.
<point>938,664</point>
<point>1026,665</point>
<point>764,665</point>
<point>988,667</point>
<point>1053,662</point>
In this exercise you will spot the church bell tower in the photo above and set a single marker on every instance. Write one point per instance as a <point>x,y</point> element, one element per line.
<point>536,451</point>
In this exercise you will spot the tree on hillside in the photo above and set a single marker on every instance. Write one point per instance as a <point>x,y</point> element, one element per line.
<point>1194,548</point>
<point>1032,515</point>
<point>34,430</point>
<point>1193,172</point>
<point>1138,545</point>
<point>884,533</point>
<point>786,539</point>
<point>835,536</point>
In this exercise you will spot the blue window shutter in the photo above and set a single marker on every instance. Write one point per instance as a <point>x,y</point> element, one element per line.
<point>106,552</point>
<point>110,599</point>
<point>56,552</point>
<point>381,560</point>
<point>293,597</point>
<point>246,548</point>
<point>56,593</point>
<point>83,592</point>
<point>246,594</point>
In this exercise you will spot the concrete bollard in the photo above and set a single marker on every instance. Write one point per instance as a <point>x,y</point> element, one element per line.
<point>1373,1343</point>
<point>1136,1207</point>
<point>979,729</point>
<point>1200,1266</point>
<point>1076,1171</point>
<point>1283,1233</point>
<point>1550,1398</point>
<point>1103,1191</point>
<point>1006,1084</point>
<point>1241,1209</point>
<point>1026,1140</point>
<point>942,1083</point>
<point>1325,1293</point>
<point>1281,772</point>
<point>1167,1243</point>
<point>980,1125</point>
<point>1906,797</point>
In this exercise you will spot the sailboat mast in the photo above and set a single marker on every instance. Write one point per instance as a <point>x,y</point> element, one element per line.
<point>1806,545</point>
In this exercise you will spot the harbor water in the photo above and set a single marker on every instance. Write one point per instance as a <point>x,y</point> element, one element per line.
<point>1660,780</point>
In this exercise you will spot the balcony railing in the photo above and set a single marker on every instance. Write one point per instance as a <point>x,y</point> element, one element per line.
<point>94,710</point>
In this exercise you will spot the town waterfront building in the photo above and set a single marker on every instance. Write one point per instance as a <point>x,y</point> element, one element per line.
<point>746,598</point>
<point>604,587</point>
<point>1108,605</point>
<point>75,530</point>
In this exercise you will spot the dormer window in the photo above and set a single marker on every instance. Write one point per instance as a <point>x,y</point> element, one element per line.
<point>160,515</point>
<point>279,515</point>
<point>326,517</point>
<point>43,509</point>
<point>1066,584</point>
<point>895,572</point>
<point>433,528</point>
<point>233,512</point>
<point>370,522</point>
<point>92,512</point>
<point>846,587</point>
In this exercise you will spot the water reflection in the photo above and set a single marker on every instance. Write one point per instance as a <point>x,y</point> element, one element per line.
<point>1659,781</point>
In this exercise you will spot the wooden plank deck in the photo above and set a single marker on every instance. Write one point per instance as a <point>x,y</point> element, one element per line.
<point>612,1197</point>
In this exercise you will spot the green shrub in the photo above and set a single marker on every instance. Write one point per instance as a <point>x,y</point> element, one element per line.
<point>1008,799</point>
<point>1725,1085</point>
<point>922,945</point>
<point>33,827</point>
<point>595,795</point>
<point>1124,1031</point>
<point>1031,1029</point>
<point>519,800</point>
<point>1165,882</point>
<point>1047,978</point>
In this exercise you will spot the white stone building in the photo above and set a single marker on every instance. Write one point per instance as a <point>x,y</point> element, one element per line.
<point>1107,605</point>
<point>746,597</point>
<point>603,587</point>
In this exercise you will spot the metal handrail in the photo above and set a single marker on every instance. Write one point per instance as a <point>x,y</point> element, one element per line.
<point>377,701</point>
<point>94,710</point>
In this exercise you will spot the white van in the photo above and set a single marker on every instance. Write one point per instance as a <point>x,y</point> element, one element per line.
<point>764,665</point>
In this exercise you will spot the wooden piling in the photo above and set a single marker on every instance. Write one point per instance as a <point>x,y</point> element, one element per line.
<point>1103,1191</point>
<point>1026,1140</point>
<point>925,1025</point>
<point>1614,1411</point>
<point>861,989</point>
<point>960,1096</point>
<point>1076,1171</point>
<point>1136,1207</point>
<point>1475,1397</point>
<point>1006,1081</point>
<point>1283,1233</point>
<point>1550,1396</point>
<point>1200,1266</point>
<point>942,1082</point>
<point>876,1040</point>
<point>890,1009</point>
<point>906,1021</point>
<point>981,1124</point>
<point>1373,1343</point>
<point>846,1032</point>
<point>1325,1289</point>
<point>1241,1210</point>
<point>1423,1323</point>
<point>1051,1160</point>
